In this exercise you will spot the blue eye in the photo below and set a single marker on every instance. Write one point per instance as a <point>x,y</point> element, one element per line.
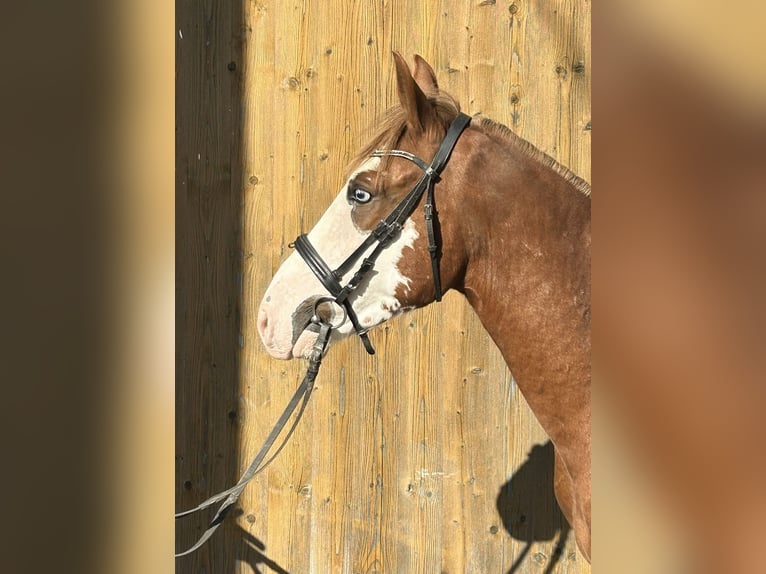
<point>359,195</point>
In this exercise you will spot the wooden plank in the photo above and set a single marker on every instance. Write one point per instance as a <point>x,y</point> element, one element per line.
<point>403,459</point>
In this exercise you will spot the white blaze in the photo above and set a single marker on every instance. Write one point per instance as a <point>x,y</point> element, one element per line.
<point>334,237</point>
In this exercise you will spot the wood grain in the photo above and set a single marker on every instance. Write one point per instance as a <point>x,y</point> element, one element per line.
<point>403,459</point>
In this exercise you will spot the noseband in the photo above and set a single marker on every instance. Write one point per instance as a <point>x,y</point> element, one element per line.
<point>386,231</point>
<point>383,235</point>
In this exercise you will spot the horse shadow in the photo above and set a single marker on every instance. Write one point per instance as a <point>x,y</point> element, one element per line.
<point>528,508</point>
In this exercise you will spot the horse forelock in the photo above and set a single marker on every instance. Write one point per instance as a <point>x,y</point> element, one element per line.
<point>391,127</point>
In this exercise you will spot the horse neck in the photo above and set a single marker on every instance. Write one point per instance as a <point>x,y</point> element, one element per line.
<point>528,279</point>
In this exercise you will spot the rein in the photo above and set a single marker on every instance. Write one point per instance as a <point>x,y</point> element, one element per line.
<point>298,401</point>
<point>386,231</point>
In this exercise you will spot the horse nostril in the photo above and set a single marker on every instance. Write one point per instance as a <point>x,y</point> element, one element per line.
<point>262,325</point>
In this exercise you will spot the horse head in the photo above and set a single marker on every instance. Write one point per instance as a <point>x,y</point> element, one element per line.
<point>402,276</point>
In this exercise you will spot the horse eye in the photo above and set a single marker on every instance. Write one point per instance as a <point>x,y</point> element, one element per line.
<point>359,195</point>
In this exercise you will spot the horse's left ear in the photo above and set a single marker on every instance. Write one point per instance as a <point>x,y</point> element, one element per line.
<point>418,110</point>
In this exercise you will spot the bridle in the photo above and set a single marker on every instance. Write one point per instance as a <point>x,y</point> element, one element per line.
<point>385,232</point>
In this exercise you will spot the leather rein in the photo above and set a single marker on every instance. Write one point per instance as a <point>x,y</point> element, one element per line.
<point>385,232</point>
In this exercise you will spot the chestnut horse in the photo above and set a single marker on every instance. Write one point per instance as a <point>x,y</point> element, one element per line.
<point>513,235</point>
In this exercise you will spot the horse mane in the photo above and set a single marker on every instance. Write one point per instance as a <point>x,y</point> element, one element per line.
<point>391,128</point>
<point>496,130</point>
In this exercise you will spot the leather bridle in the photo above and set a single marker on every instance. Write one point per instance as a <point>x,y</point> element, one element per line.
<point>386,231</point>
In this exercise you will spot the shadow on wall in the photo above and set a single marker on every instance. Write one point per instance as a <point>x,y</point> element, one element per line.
<point>209,262</point>
<point>527,505</point>
<point>253,551</point>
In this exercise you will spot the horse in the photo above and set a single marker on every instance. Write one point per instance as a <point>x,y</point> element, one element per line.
<point>511,233</point>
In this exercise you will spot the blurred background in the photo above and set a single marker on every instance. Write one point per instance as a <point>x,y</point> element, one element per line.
<point>88,220</point>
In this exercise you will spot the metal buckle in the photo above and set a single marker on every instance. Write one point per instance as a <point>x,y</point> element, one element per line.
<point>316,319</point>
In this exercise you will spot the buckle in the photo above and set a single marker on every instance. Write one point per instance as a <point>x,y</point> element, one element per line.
<point>431,173</point>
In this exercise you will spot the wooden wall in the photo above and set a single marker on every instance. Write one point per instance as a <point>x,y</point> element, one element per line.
<point>416,459</point>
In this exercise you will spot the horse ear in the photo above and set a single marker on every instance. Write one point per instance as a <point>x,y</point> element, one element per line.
<point>418,110</point>
<point>425,76</point>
